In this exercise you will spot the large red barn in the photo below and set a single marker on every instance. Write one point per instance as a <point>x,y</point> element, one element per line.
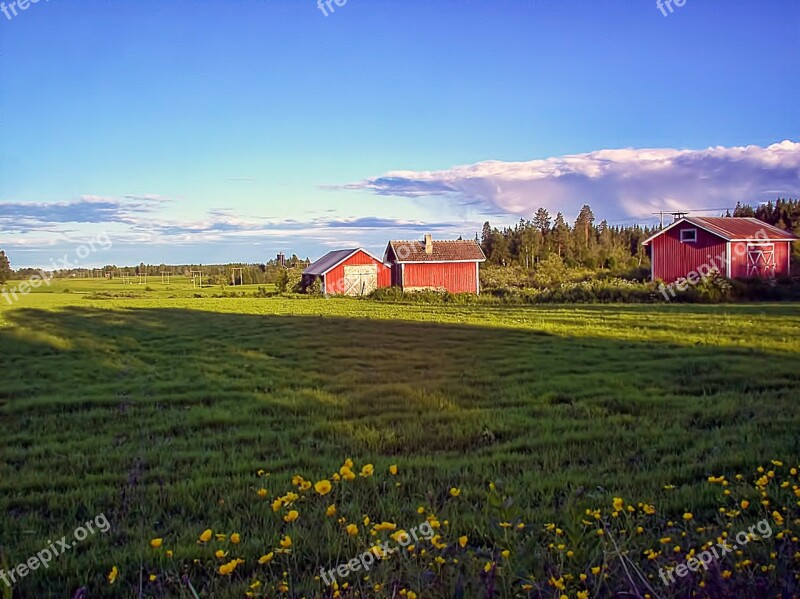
<point>348,272</point>
<point>452,266</point>
<point>737,247</point>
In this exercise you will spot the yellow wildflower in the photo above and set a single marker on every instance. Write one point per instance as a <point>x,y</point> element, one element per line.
<point>322,487</point>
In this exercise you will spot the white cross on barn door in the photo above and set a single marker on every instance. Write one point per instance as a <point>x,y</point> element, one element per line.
<point>360,280</point>
<point>761,260</point>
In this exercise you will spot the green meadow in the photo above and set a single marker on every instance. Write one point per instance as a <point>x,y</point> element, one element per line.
<point>159,405</point>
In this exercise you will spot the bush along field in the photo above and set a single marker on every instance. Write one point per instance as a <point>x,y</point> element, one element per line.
<point>244,446</point>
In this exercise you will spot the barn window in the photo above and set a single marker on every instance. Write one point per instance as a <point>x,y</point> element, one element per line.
<point>688,235</point>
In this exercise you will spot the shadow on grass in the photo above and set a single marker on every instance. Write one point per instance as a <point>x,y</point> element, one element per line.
<point>164,415</point>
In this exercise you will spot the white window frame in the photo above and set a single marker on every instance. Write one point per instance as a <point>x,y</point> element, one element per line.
<point>694,236</point>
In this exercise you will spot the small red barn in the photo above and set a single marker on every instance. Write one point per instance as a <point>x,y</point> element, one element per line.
<point>348,272</point>
<point>439,265</point>
<point>737,247</point>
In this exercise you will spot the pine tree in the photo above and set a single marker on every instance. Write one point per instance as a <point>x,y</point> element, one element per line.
<point>541,221</point>
<point>561,237</point>
<point>5,268</point>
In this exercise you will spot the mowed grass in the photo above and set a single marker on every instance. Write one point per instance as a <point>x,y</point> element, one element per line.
<point>159,412</point>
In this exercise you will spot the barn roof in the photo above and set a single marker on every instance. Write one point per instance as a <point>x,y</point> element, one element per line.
<point>737,228</point>
<point>443,251</point>
<point>332,260</point>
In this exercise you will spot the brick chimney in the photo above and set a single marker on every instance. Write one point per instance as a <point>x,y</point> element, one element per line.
<point>428,244</point>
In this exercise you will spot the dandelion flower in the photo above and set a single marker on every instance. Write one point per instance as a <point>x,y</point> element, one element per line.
<point>265,559</point>
<point>393,469</point>
<point>462,541</point>
<point>112,576</point>
<point>331,511</point>
<point>206,536</point>
<point>454,492</point>
<point>156,543</point>
<point>352,530</point>
<point>286,542</point>
<point>236,538</point>
<point>291,516</point>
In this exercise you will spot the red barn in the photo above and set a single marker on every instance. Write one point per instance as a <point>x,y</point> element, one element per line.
<point>348,272</point>
<point>439,265</point>
<point>737,247</point>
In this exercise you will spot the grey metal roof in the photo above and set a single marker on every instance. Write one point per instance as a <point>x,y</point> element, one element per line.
<point>328,261</point>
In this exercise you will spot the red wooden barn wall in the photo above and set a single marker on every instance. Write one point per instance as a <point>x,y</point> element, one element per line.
<point>334,278</point>
<point>456,277</point>
<point>739,253</point>
<point>672,259</point>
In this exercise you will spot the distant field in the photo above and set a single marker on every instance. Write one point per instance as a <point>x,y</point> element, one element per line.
<point>159,412</point>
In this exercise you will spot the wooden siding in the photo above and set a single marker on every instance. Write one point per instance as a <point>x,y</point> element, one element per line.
<point>672,259</point>
<point>334,278</point>
<point>455,277</point>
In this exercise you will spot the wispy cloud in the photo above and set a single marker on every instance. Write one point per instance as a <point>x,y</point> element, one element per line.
<point>21,217</point>
<point>618,183</point>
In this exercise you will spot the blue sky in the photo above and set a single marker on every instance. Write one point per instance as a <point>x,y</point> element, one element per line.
<point>210,131</point>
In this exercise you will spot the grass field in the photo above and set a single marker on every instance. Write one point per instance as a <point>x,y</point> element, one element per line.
<point>159,411</point>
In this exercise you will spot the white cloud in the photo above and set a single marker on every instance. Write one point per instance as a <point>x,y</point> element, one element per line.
<point>617,183</point>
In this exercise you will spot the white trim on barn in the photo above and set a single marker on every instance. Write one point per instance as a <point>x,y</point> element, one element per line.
<point>677,222</point>
<point>346,258</point>
<point>729,260</point>
<point>684,220</point>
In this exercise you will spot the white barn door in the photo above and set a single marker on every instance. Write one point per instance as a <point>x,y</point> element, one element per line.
<point>360,280</point>
<point>761,260</point>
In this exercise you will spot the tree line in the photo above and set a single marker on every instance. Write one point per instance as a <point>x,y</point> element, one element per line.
<point>585,243</point>
<point>213,274</point>
<point>588,244</point>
